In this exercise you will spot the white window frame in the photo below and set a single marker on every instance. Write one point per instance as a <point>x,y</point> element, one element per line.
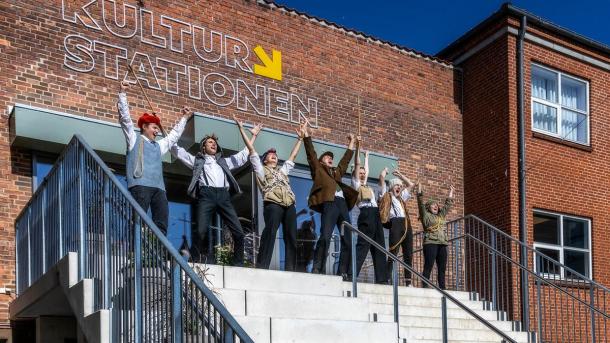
<point>558,107</point>
<point>561,248</point>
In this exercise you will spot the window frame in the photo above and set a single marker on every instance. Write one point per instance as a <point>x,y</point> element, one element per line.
<point>561,248</point>
<point>558,106</point>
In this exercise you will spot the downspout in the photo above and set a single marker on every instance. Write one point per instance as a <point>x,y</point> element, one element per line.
<point>522,178</point>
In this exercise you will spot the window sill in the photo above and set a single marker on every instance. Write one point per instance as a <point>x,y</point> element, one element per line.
<point>566,282</point>
<point>539,135</point>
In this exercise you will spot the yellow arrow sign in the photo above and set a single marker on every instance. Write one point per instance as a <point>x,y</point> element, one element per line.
<point>272,67</point>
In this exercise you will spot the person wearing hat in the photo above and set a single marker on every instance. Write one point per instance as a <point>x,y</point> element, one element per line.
<point>332,198</point>
<point>369,221</point>
<point>395,216</point>
<point>213,185</point>
<point>144,158</point>
<point>432,217</point>
<point>278,200</point>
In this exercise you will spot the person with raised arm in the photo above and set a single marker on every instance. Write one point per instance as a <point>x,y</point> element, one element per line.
<point>432,217</point>
<point>369,221</point>
<point>144,166</point>
<point>278,200</point>
<point>395,217</point>
<point>213,185</point>
<point>333,199</point>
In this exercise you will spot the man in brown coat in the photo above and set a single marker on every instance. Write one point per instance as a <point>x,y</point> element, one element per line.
<point>333,199</point>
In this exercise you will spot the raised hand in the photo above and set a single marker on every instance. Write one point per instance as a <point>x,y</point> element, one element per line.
<point>256,129</point>
<point>384,172</point>
<point>451,191</point>
<point>186,111</point>
<point>124,86</point>
<point>239,123</point>
<point>419,188</point>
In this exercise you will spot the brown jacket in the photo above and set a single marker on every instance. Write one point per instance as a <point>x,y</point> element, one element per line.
<point>385,204</point>
<point>325,185</point>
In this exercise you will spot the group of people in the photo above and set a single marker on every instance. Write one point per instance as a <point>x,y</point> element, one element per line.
<point>213,184</point>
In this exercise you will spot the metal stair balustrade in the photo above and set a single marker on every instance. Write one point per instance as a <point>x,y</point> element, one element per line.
<point>397,263</point>
<point>564,305</point>
<point>152,293</point>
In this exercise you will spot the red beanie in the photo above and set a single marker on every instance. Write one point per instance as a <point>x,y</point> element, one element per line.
<point>148,119</point>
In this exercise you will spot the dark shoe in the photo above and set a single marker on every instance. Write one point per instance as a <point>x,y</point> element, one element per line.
<point>382,282</point>
<point>407,282</point>
<point>346,277</point>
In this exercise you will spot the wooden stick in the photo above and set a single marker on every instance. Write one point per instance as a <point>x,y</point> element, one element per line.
<point>359,115</point>
<point>152,109</point>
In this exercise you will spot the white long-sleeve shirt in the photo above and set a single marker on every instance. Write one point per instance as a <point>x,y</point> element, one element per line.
<point>257,165</point>
<point>396,210</point>
<point>131,136</point>
<point>211,168</point>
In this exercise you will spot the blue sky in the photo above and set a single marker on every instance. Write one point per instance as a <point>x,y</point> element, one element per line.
<point>430,25</point>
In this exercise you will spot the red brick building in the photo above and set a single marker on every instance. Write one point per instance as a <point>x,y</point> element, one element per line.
<point>60,59</point>
<point>447,119</point>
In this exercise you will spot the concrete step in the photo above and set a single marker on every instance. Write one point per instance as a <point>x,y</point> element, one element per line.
<point>284,305</point>
<point>386,312</point>
<point>271,280</point>
<point>424,320</point>
<point>282,330</point>
<point>370,288</point>
<point>459,334</point>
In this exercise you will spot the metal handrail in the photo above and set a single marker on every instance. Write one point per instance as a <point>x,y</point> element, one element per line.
<point>484,262</point>
<point>395,259</point>
<point>535,275</point>
<point>185,283</point>
<point>529,248</point>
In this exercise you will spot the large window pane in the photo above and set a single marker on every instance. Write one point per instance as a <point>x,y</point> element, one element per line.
<point>179,230</point>
<point>546,229</point>
<point>545,117</point>
<point>546,266</point>
<point>576,260</point>
<point>573,93</point>
<point>575,233</point>
<point>544,84</point>
<point>574,126</point>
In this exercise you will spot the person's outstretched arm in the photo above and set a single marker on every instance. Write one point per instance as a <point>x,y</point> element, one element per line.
<point>249,143</point>
<point>173,136</point>
<point>347,156</point>
<point>183,155</point>
<point>382,186</point>
<point>297,145</point>
<point>239,159</point>
<point>125,117</point>
<point>448,202</point>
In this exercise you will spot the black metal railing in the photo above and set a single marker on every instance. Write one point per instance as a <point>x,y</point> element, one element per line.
<point>152,293</point>
<point>398,263</point>
<point>484,261</point>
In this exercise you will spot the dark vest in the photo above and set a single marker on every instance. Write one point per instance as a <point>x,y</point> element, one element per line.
<point>198,169</point>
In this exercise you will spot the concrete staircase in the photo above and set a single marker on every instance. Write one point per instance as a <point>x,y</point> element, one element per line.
<point>275,306</point>
<point>58,293</point>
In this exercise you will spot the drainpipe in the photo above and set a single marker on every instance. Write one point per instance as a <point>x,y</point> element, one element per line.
<point>522,178</point>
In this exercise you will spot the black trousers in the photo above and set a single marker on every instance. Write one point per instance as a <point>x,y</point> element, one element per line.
<point>156,199</point>
<point>435,253</point>
<point>275,215</point>
<point>369,223</point>
<point>398,229</point>
<point>213,200</point>
<point>333,213</point>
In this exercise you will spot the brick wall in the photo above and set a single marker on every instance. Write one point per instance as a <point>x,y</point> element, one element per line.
<point>409,102</point>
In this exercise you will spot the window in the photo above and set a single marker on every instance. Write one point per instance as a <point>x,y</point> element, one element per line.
<point>560,105</point>
<point>565,239</point>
